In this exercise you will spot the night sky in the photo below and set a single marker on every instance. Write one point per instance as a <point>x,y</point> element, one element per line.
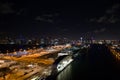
<point>99,19</point>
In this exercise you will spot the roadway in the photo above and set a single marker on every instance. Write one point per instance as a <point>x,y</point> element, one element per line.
<point>28,65</point>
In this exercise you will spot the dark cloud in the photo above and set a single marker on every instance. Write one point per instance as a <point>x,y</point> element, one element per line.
<point>49,20</point>
<point>113,19</point>
<point>100,30</point>
<point>92,19</point>
<point>21,11</point>
<point>51,15</point>
<point>114,9</point>
<point>108,19</point>
<point>111,15</point>
<point>102,19</point>
<point>48,15</point>
<point>39,18</point>
<point>6,8</point>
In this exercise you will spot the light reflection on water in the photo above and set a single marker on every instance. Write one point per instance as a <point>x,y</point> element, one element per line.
<point>66,74</point>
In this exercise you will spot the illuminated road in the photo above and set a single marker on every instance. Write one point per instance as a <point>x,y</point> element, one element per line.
<point>30,63</point>
<point>98,63</point>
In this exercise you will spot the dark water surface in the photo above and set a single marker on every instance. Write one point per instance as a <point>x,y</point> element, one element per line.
<point>98,63</point>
